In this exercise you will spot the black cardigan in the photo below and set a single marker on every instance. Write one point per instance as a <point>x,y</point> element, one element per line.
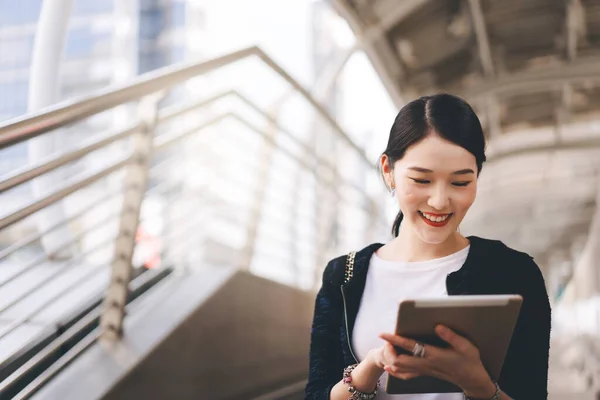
<point>490,268</point>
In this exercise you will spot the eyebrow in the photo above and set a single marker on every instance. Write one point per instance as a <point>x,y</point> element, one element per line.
<point>428,171</point>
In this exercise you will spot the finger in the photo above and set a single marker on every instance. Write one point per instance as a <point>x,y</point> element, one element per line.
<point>389,354</point>
<point>407,363</point>
<point>399,341</point>
<point>452,338</point>
<point>409,344</point>
<point>410,364</point>
<point>390,350</point>
<point>394,369</point>
<point>404,375</point>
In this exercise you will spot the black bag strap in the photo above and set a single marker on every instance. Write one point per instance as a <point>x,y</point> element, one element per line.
<point>349,266</point>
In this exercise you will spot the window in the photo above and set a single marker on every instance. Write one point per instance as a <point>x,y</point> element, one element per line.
<point>178,12</point>
<point>19,12</point>
<point>91,7</point>
<point>151,61</point>
<point>15,52</point>
<point>82,42</point>
<point>13,98</point>
<point>152,22</point>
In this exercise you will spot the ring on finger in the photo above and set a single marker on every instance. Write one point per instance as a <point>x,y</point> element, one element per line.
<point>418,350</point>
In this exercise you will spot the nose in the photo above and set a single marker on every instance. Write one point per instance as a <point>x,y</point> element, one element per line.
<point>439,198</point>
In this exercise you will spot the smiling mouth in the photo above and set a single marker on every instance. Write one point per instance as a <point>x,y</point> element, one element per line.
<point>437,220</point>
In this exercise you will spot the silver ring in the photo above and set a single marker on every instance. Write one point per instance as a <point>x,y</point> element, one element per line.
<point>418,350</point>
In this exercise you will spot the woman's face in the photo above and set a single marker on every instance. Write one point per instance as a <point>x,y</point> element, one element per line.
<point>436,184</point>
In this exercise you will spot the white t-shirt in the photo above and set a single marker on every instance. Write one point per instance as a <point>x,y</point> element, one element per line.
<point>388,282</point>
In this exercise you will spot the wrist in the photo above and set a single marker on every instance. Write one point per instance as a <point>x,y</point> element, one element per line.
<point>367,373</point>
<point>483,390</point>
<point>374,360</point>
<point>357,393</point>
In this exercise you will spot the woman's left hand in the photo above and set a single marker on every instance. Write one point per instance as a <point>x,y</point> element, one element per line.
<point>459,363</point>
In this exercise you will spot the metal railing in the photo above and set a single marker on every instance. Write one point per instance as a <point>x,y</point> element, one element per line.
<point>142,143</point>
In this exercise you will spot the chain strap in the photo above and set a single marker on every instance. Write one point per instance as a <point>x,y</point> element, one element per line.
<point>349,266</point>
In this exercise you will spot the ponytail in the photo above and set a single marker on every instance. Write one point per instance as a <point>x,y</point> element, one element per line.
<point>397,222</point>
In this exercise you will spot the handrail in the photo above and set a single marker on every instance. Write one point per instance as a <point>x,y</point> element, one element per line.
<point>249,125</point>
<point>33,125</point>
<point>26,241</point>
<point>60,271</point>
<point>29,172</point>
<point>144,143</point>
<point>5,330</point>
<point>10,327</point>
<point>175,111</point>
<point>43,257</point>
<point>166,140</point>
<point>68,189</point>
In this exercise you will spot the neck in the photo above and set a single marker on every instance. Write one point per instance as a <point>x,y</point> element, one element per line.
<point>413,248</point>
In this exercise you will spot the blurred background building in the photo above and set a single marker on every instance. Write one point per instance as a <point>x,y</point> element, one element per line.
<point>193,165</point>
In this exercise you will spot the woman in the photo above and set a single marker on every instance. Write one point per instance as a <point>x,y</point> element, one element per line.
<point>434,155</point>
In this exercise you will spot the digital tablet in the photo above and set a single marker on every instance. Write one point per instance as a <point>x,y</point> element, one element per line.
<point>487,321</point>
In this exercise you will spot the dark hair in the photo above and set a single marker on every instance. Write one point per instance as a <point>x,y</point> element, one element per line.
<point>446,115</point>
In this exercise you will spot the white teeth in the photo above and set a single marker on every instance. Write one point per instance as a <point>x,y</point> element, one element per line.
<point>436,219</point>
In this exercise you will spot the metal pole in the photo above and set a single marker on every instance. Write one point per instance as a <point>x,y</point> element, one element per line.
<point>48,48</point>
<point>136,179</point>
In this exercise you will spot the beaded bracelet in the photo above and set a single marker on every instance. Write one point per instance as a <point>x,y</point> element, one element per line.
<point>357,395</point>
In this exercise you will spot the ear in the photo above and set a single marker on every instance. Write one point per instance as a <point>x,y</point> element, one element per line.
<point>385,164</point>
<point>387,171</point>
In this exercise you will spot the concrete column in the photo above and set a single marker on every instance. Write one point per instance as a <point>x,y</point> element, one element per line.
<point>44,91</point>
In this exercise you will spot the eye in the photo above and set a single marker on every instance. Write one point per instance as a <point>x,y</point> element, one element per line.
<point>421,181</point>
<point>461,184</point>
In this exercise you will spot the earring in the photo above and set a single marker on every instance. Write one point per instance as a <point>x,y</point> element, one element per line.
<point>393,191</point>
